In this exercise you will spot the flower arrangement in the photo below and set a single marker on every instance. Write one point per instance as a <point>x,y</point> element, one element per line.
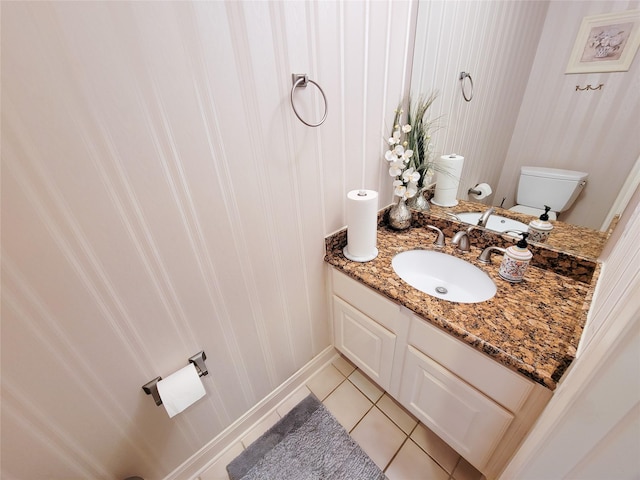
<point>410,149</point>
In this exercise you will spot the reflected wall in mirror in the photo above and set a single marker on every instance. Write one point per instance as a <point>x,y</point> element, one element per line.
<point>525,110</point>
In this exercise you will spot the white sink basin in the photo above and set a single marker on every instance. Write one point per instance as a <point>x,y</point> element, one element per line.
<point>496,223</point>
<point>444,276</point>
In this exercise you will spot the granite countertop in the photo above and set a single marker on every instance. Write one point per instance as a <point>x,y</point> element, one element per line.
<point>574,239</point>
<point>532,327</point>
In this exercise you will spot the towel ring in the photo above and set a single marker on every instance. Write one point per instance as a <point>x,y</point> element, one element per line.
<point>464,75</point>
<point>301,80</point>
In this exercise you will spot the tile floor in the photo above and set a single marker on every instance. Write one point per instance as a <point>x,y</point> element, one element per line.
<point>401,446</point>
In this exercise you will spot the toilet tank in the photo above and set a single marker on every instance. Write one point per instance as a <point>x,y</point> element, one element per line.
<point>540,186</point>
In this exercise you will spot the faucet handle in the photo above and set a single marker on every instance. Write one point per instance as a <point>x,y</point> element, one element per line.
<point>439,241</point>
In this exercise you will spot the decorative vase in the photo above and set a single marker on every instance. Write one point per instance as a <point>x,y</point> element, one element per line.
<point>400,215</point>
<point>418,202</point>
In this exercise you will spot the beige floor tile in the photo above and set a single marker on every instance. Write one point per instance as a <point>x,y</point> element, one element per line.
<point>397,413</point>
<point>325,381</point>
<point>344,366</point>
<point>411,463</point>
<point>437,448</point>
<point>262,426</point>
<point>378,436</point>
<point>218,471</point>
<point>292,400</point>
<point>465,471</point>
<point>348,405</point>
<point>366,386</point>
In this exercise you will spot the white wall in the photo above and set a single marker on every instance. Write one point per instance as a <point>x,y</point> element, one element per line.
<point>159,197</point>
<point>590,131</point>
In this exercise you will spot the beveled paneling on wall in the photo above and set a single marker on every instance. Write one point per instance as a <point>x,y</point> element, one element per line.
<point>159,197</point>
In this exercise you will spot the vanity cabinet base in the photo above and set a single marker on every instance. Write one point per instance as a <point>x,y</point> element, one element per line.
<point>482,409</point>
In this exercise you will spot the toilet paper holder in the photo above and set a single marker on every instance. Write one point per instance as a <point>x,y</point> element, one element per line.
<point>151,388</point>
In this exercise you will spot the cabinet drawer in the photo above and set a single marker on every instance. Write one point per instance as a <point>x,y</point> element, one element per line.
<point>369,302</point>
<point>366,343</point>
<point>505,386</point>
<point>463,417</point>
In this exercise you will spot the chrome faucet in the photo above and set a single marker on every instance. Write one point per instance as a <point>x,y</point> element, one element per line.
<point>485,256</point>
<point>482,221</point>
<point>461,240</point>
<point>439,242</point>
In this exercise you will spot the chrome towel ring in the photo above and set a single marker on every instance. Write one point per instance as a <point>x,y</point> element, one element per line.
<point>301,80</point>
<point>464,75</point>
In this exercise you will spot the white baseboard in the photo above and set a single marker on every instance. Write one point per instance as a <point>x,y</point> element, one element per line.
<point>207,455</point>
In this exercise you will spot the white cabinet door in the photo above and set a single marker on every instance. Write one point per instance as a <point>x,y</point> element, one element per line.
<point>365,342</point>
<point>459,414</point>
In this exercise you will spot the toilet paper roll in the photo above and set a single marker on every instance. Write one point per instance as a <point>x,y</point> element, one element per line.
<point>362,223</point>
<point>180,390</point>
<point>484,189</point>
<point>448,172</point>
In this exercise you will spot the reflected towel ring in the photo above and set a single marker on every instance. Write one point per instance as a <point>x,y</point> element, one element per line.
<point>464,75</point>
<point>301,80</point>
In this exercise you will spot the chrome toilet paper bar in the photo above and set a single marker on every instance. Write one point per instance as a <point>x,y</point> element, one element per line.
<point>151,388</point>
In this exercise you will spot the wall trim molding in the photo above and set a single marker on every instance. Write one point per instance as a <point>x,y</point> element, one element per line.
<point>214,449</point>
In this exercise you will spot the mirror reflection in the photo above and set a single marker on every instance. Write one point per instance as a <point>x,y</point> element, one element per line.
<point>526,112</point>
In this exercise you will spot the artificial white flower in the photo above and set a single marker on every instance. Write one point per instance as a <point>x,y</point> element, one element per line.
<point>412,189</point>
<point>390,156</point>
<point>406,128</point>
<point>407,155</point>
<point>410,175</point>
<point>400,190</point>
<point>395,168</point>
<point>395,137</point>
<point>399,150</point>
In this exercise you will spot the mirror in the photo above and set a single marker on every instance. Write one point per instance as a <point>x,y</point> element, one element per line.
<point>525,110</point>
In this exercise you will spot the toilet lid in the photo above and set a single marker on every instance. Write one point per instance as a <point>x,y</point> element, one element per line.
<point>532,211</point>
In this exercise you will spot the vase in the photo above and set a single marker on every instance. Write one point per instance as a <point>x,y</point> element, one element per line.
<point>400,215</point>
<point>418,202</point>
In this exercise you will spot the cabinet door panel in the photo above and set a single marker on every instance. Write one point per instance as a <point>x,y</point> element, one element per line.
<point>507,388</point>
<point>459,414</point>
<point>365,342</point>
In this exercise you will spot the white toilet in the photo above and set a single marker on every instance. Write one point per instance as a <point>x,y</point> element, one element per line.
<point>540,186</point>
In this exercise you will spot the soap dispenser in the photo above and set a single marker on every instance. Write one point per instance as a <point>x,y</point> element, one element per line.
<point>516,260</point>
<point>539,230</point>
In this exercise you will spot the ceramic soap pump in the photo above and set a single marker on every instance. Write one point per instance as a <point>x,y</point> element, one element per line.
<point>516,260</point>
<point>539,230</point>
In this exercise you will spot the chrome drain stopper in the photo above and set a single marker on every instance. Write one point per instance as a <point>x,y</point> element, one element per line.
<point>442,290</point>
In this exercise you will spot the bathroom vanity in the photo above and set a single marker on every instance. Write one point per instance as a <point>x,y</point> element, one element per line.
<point>478,374</point>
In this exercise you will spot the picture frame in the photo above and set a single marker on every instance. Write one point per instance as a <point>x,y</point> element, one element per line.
<point>606,43</point>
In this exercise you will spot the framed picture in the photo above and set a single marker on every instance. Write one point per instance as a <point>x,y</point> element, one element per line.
<point>606,43</point>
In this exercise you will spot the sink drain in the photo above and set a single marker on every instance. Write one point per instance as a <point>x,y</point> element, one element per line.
<point>442,290</point>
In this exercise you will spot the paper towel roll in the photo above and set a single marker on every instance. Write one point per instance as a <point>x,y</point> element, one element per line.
<point>449,170</point>
<point>362,223</point>
<point>180,389</point>
<point>484,189</point>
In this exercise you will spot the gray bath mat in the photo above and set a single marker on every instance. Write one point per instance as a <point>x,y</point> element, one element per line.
<point>308,443</point>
